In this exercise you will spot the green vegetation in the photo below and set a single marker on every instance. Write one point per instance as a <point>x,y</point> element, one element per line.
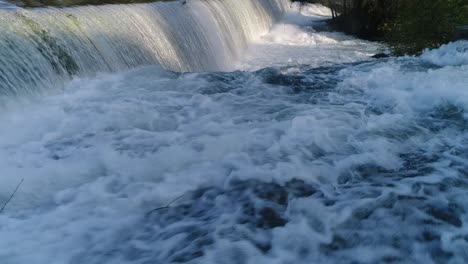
<point>408,26</point>
<point>50,47</point>
<point>423,24</point>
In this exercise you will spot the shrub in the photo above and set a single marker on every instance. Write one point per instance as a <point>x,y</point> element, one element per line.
<point>421,24</point>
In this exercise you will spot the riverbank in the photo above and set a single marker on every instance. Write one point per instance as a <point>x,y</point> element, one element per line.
<point>304,150</point>
<point>309,153</point>
<point>407,26</point>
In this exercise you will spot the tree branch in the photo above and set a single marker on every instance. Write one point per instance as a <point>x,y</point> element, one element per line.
<point>165,207</point>
<point>11,197</point>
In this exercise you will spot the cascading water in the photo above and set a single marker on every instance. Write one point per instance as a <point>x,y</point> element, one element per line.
<point>45,47</point>
<point>309,152</point>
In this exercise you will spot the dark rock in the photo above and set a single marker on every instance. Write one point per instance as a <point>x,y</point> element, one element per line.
<point>275,77</point>
<point>380,56</point>
<point>461,33</point>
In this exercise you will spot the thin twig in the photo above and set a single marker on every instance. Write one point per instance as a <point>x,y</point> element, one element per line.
<point>11,197</point>
<point>165,207</point>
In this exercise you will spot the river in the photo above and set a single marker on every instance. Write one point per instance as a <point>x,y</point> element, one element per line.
<point>226,132</point>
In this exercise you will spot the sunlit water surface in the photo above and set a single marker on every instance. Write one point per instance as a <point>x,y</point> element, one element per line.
<point>310,153</point>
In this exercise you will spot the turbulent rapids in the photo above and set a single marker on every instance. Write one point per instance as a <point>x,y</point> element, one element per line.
<point>281,143</point>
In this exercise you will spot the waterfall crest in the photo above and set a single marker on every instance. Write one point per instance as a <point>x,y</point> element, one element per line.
<point>47,46</point>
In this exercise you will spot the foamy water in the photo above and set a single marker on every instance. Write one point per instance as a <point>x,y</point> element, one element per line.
<point>296,41</point>
<point>322,155</point>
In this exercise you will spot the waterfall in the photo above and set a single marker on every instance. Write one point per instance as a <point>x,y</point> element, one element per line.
<point>44,47</point>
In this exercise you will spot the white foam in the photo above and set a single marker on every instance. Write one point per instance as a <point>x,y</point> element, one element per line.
<point>312,10</point>
<point>5,5</point>
<point>394,86</point>
<point>295,41</point>
<point>97,156</point>
<point>452,54</point>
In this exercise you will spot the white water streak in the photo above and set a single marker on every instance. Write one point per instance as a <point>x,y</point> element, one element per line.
<point>45,47</point>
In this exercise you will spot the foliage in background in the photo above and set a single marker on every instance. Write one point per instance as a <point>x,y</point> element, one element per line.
<point>421,24</point>
<point>409,26</point>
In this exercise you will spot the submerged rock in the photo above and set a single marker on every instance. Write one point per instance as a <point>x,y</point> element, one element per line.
<point>380,56</point>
